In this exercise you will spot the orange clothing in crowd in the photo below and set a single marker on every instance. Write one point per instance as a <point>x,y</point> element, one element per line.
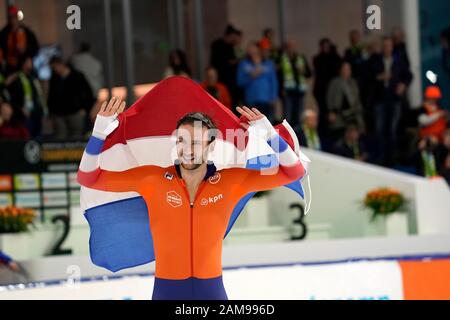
<point>221,93</point>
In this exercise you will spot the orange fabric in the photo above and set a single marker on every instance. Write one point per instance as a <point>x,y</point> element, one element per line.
<point>426,280</point>
<point>433,92</point>
<point>224,95</point>
<point>265,43</point>
<point>17,43</point>
<point>188,240</point>
<point>435,129</point>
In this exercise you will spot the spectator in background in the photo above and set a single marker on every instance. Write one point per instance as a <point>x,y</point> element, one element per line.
<point>3,92</point>
<point>178,65</point>
<point>398,36</point>
<point>70,99</point>
<point>215,88</point>
<point>239,51</point>
<point>225,61</point>
<point>2,62</point>
<point>343,102</point>
<point>17,41</point>
<point>257,76</point>
<point>12,127</point>
<point>392,78</point>
<point>367,82</point>
<point>432,119</point>
<point>294,70</point>
<point>445,172</point>
<point>27,97</point>
<point>443,154</point>
<point>267,44</point>
<point>426,157</point>
<point>326,67</point>
<point>351,145</point>
<point>89,66</point>
<point>307,133</point>
<point>445,45</point>
<point>354,54</point>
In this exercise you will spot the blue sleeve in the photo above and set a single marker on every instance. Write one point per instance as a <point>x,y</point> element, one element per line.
<point>4,258</point>
<point>243,77</point>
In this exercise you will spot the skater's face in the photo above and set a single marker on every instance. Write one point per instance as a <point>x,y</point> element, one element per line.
<point>193,145</point>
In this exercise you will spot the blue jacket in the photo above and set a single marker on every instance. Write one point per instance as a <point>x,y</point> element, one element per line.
<point>262,89</point>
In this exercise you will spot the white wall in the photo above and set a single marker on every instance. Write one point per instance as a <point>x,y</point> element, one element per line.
<point>339,186</point>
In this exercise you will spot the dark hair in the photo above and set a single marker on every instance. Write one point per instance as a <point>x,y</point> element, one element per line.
<point>85,47</point>
<point>266,32</point>
<point>56,59</point>
<point>230,29</point>
<point>206,121</point>
<point>22,59</point>
<point>183,67</point>
<point>352,125</point>
<point>324,41</point>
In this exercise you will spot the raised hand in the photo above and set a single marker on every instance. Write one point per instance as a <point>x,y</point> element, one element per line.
<point>114,106</point>
<point>252,114</point>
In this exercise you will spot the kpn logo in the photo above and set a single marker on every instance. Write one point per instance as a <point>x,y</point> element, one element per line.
<point>212,199</point>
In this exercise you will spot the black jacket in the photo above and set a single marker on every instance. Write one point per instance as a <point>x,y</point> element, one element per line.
<point>400,73</point>
<point>69,95</point>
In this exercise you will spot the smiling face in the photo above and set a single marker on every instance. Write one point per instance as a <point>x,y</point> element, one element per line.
<point>193,145</point>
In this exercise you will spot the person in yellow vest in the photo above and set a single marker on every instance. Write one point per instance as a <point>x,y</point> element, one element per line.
<point>294,71</point>
<point>27,96</point>
<point>432,119</point>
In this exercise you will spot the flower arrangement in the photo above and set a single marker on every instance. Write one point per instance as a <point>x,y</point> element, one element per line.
<point>383,201</point>
<point>14,220</point>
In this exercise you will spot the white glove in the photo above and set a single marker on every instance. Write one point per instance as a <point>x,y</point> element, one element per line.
<point>104,126</point>
<point>263,128</point>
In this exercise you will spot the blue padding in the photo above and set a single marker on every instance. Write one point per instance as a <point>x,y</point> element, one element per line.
<point>94,145</point>
<point>277,143</point>
<point>120,234</point>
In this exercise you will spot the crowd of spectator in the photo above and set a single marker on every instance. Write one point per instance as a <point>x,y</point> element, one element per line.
<point>359,108</point>
<point>26,102</point>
